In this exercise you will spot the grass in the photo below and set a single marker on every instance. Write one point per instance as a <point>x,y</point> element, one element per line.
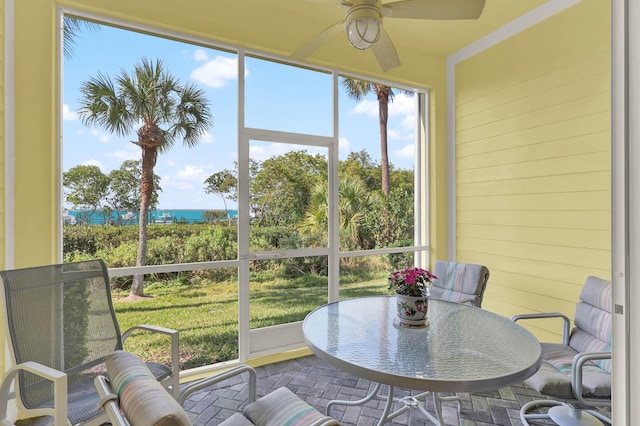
<point>207,314</point>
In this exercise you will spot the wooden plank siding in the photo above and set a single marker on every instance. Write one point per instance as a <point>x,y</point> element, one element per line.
<point>533,167</point>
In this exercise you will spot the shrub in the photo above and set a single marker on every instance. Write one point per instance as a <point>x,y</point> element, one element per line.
<point>209,245</point>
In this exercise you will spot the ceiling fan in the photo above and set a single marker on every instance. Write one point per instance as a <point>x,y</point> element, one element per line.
<point>363,23</point>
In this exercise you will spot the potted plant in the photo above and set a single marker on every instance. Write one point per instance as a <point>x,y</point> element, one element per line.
<point>411,287</point>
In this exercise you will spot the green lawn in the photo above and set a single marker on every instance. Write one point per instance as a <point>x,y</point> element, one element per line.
<point>207,314</point>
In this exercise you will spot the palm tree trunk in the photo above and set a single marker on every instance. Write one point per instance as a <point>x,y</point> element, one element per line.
<point>383,111</point>
<point>148,162</point>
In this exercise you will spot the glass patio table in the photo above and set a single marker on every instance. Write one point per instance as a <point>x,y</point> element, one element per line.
<point>463,349</point>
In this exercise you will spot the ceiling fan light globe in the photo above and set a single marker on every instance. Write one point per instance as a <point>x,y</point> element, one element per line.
<point>363,25</point>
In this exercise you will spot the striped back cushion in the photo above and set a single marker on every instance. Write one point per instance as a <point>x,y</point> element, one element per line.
<point>459,281</point>
<point>143,400</point>
<point>593,319</point>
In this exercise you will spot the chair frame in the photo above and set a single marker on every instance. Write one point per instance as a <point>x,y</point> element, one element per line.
<point>579,409</point>
<point>59,410</point>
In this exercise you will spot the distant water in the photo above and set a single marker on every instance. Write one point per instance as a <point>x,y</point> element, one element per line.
<point>155,216</point>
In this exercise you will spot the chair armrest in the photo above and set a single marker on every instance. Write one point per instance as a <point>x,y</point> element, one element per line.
<point>109,402</point>
<point>566,322</point>
<point>195,386</point>
<point>470,301</point>
<point>576,377</point>
<point>59,379</point>
<point>175,351</point>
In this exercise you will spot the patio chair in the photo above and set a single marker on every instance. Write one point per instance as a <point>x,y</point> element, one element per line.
<point>577,372</point>
<point>459,282</point>
<point>61,324</point>
<point>133,397</point>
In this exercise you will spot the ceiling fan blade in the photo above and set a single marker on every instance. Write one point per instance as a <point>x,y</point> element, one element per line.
<point>435,9</point>
<point>318,41</point>
<point>385,52</point>
<point>341,3</point>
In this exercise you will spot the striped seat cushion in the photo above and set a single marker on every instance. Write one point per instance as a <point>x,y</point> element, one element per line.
<point>592,333</point>
<point>236,420</point>
<point>143,400</point>
<point>593,319</point>
<point>554,376</point>
<point>283,408</point>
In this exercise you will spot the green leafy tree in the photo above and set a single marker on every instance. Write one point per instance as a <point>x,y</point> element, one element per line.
<point>86,188</point>
<point>361,165</point>
<point>391,220</point>
<point>224,184</point>
<point>214,215</point>
<point>160,109</point>
<point>358,89</point>
<point>281,187</point>
<point>124,190</point>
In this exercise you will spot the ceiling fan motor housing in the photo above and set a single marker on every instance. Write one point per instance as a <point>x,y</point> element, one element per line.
<point>363,24</point>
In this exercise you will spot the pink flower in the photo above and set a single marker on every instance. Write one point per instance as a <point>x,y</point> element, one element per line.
<point>411,282</point>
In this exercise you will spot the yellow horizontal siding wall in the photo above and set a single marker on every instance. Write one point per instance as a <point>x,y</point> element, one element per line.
<point>533,163</point>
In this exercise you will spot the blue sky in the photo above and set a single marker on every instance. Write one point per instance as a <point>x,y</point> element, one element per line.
<point>278,97</point>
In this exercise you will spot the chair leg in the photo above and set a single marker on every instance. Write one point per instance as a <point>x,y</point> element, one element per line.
<point>453,397</point>
<point>561,413</point>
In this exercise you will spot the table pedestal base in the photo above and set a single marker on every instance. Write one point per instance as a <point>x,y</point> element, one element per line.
<point>417,401</point>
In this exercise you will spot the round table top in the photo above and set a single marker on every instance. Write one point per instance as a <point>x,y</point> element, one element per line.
<point>464,349</point>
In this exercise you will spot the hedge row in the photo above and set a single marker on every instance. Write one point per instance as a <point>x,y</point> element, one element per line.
<point>179,243</point>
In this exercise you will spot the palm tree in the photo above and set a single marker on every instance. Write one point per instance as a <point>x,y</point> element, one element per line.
<point>160,109</point>
<point>354,201</point>
<point>71,27</point>
<point>358,89</point>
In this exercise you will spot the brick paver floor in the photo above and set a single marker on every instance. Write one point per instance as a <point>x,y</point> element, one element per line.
<point>318,383</point>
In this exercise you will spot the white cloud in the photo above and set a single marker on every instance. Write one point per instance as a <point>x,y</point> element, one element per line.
<point>402,105</point>
<point>94,163</point>
<point>207,138</point>
<point>68,114</point>
<point>168,182</point>
<point>191,173</point>
<point>394,134</point>
<point>405,130</point>
<point>344,147</point>
<point>406,152</point>
<point>102,137</point>
<point>217,72</point>
<point>260,153</point>
<point>366,107</point>
<point>409,122</point>
<point>187,179</point>
<point>200,55</point>
<point>266,151</point>
<point>130,153</point>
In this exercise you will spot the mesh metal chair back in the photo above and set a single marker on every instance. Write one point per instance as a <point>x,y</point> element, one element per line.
<point>460,282</point>
<point>61,316</point>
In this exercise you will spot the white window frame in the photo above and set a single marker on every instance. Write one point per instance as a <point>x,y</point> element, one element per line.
<point>255,343</point>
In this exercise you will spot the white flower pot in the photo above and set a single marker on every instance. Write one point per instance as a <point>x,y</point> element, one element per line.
<point>412,310</point>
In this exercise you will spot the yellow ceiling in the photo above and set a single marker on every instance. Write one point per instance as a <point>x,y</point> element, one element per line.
<point>280,27</point>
